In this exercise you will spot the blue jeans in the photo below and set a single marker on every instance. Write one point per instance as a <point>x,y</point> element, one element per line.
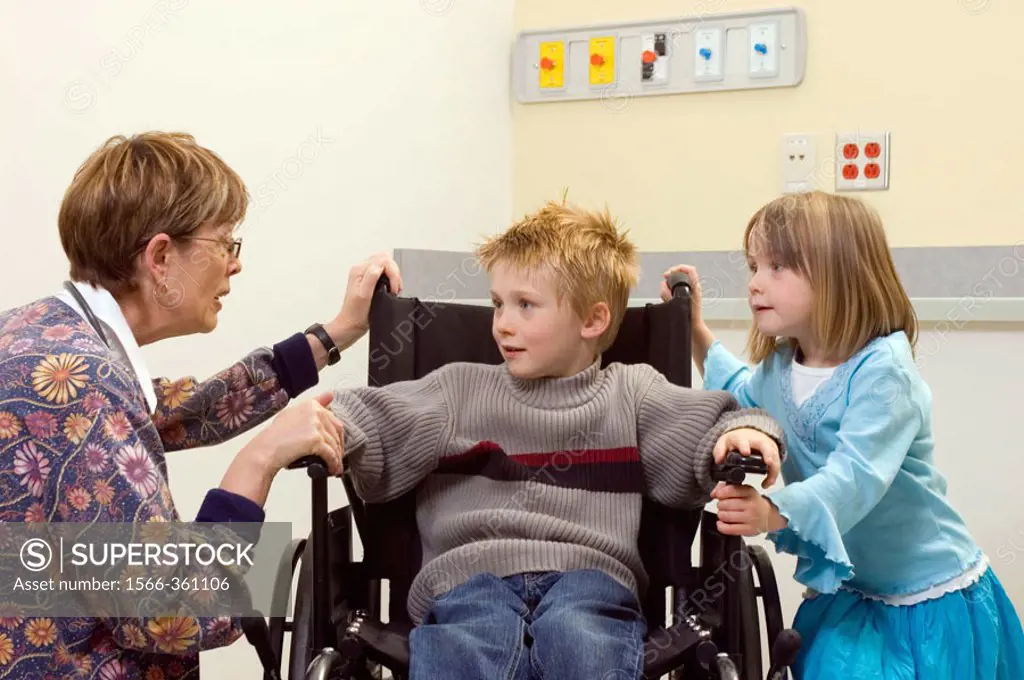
<point>567,625</point>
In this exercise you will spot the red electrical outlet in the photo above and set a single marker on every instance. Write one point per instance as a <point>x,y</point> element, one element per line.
<point>862,161</point>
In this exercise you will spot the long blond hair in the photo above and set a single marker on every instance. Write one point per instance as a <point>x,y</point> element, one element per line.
<point>839,245</point>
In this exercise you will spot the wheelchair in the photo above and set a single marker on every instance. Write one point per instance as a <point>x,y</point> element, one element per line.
<point>702,619</point>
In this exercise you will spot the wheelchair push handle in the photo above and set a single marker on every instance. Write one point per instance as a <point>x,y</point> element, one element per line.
<point>735,468</point>
<point>679,285</point>
<point>314,465</point>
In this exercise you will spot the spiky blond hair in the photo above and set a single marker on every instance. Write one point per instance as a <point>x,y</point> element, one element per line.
<point>588,258</point>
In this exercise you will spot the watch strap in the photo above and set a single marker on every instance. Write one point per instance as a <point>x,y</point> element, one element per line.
<point>333,353</point>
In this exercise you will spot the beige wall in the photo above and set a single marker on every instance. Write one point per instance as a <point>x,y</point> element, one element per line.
<point>686,171</point>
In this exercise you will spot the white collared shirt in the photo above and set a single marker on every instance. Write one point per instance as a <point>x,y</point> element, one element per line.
<point>115,327</point>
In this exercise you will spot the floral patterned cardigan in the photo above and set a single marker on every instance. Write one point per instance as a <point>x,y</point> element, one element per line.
<point>78,444</point>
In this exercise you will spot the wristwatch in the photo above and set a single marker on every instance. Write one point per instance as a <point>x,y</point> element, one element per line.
<point>333,353</point>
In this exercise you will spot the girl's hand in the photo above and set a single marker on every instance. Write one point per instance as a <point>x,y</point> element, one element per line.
<point>695,291</point>
<point>742,511</point>
<point>747,440</point>
<point>701,337</point>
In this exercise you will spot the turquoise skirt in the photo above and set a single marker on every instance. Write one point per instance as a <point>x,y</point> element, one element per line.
<point>971,634</point>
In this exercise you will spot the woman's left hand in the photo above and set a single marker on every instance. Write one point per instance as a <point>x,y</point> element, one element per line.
<point>353,320</point>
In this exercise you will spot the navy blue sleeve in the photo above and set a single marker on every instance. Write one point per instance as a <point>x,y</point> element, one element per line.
<point>224,507</point>
<point>294,364</point>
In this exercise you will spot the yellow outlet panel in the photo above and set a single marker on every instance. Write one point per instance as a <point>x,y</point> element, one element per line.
<point>602,60</point>
<point>552,65</point>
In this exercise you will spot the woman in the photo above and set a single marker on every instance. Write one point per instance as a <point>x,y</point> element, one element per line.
<point>147,227</point>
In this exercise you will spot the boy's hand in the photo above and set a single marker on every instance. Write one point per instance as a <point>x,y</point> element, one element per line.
<point>747,440</point>
<point>742,511</point>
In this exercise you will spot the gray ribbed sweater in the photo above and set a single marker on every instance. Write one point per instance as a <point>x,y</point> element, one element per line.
<point>522,475</point>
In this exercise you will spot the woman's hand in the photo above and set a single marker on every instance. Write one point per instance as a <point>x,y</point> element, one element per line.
<point>353,320</point>
<point>305,429</point>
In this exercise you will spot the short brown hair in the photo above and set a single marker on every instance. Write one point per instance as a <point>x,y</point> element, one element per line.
<point>591,261</point>
<point>131,189</point>
<point>837,243</point>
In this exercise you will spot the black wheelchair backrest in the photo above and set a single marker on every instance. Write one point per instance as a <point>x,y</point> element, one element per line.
<point>410,337</point>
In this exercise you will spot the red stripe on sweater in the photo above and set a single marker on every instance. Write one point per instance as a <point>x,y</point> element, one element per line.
<point>623,454</point>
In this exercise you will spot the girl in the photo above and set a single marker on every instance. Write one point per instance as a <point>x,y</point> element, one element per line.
<point>897,587</point>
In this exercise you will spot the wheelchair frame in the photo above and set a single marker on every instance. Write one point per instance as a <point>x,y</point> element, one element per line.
<point>336,630</point>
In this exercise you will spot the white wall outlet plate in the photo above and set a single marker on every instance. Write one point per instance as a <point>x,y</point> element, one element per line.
<point>764,50</point>
<point>862,161</point>
<point>799,163</point>
<point>708,55</point>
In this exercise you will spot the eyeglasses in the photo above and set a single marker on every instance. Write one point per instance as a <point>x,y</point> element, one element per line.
<point>233,247</point>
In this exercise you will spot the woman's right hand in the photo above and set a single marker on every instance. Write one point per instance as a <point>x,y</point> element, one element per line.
<point>304,429</point>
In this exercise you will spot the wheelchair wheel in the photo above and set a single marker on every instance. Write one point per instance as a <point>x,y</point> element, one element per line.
<point>769,591</point>
<point>302,654</point>
<point>750,626</point>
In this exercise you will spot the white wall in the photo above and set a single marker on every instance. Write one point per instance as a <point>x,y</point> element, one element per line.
<point>398,114</point>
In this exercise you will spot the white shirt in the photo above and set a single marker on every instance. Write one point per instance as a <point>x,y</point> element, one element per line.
<point>807,379</point>
<point>115,327</point>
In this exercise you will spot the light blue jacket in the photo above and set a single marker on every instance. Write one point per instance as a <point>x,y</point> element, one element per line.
<point>867,508</point>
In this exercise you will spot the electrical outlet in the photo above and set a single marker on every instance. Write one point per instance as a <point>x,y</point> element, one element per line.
<point>862,161</point>
<point>799,162</point>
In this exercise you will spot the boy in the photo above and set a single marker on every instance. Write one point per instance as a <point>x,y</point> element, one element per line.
<point>531,474</point>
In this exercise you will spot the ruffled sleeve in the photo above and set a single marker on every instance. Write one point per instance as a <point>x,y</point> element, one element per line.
<point>883,417</point>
